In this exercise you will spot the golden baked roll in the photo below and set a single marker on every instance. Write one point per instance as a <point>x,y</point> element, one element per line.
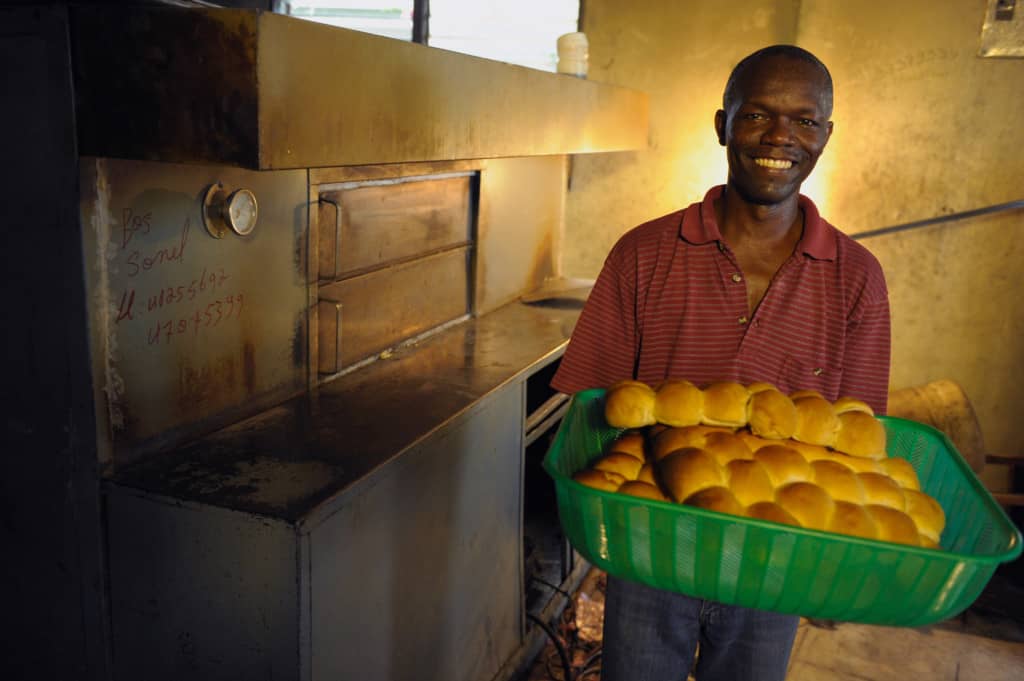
<point>753,442</point>
<point>629,404</point>
<point>783,464</point>
<point>672,439</point>
<point>758,386</point>
<point>725,447</point>
<point>725,404</point>
<point>901,471</point>
<point>860,434</point>
<point>632,443</point>
<point>857,464</point>
<point>842,483</point>
<point>626,465</point>
<point>646,474</point>
<point>718,498</point>
<point>749,481</point>
<point>816,422</point>
<point>894,526</point>
<point>769,510</point>
<point>636,488</point>
<point>927,514</point>
<point>811,452</point>
<point>687,471</point>
<point>772,415</point>
<point>679,403</point>
<point>852,519</point>
<point>882,490</point>
<point>845,404</point>
<point>809,503</point>
<point>602,480</point>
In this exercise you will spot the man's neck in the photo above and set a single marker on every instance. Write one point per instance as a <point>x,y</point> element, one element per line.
<point>742,222</point>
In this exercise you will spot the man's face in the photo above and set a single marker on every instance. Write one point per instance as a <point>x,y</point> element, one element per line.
<point>776,131</point>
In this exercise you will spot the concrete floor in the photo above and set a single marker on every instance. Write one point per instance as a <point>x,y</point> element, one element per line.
<point>986,643</point>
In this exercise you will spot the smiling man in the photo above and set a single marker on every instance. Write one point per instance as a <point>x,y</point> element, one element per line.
<point>750,284</point>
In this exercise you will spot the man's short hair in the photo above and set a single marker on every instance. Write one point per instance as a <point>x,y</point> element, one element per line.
<point>791,51</point>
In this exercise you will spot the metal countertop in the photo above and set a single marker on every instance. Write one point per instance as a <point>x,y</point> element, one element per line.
<point>289,460</point>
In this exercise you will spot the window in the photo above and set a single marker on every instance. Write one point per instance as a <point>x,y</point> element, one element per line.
<point>523,32</point>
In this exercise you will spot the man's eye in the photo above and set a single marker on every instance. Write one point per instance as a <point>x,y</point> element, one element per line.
<point>754,116</point>
<point>809,122</point>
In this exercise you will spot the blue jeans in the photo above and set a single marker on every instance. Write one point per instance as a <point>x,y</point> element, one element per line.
<point>651,635</point>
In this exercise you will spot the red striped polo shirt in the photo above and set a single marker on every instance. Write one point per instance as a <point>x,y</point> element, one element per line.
<point>671,302</point>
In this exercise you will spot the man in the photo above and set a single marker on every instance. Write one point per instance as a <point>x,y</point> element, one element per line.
<point>750,284</point>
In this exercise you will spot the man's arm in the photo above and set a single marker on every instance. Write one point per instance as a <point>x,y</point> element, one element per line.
<point>603,346</point>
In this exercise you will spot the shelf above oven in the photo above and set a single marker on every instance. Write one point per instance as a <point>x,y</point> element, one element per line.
<point>267,91</point>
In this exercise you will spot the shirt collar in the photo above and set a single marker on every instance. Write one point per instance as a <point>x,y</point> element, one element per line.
<point>700,226</point>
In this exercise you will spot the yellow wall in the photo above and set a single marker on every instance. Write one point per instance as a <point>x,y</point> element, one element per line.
<point>924,128</point>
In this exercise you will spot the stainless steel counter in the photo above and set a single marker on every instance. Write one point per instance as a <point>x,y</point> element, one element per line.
<point>288,461</point>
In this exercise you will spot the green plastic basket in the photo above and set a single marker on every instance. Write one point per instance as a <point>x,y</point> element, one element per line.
<point>759,564</point>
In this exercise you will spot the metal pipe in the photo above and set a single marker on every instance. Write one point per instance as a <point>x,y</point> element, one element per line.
<point>952,217</point>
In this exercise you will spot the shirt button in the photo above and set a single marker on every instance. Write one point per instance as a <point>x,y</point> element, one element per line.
<point>742,320</point>
<point>737,278</point>
<point>721,247</point>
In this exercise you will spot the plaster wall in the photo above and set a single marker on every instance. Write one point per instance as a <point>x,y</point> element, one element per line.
<point>923,128</point>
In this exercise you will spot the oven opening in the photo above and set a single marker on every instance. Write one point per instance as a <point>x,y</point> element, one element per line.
<point>548,558</point>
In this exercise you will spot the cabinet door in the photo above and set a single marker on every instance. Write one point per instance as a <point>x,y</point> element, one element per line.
<point>418,574</point>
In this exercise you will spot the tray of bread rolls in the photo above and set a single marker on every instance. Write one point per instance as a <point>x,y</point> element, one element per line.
<point>744,495</point>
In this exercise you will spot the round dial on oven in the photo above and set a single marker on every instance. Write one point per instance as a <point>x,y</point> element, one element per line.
<point>241,211</point>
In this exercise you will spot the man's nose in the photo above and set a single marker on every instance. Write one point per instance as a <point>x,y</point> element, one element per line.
<point>779,132</point>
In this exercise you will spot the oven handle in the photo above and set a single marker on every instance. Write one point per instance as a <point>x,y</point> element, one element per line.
<point>337,234</point>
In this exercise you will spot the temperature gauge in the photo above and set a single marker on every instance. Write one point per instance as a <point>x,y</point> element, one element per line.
<point>236,211</point>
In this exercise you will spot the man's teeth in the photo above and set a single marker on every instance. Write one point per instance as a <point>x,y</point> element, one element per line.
<point>773,163</point>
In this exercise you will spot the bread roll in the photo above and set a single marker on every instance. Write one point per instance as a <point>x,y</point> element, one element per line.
<point>811,452</point>
<point>646,474</point>
<point>679,403</point>
<point>753,442</point>
<point>852,519</point>
<point>636,488</point>
<point>816,422</point>
<point>882,490</point>
<point>860,434</point>
<point>719,499</point>
<point>626,465</point>
<point>725,404</point>
<point>769,510</point>
<point>687,471</point>
<point>725,447</point>
<point>677,438</point>
<point>894,526</point>
<point>901,471</point>
<point>602,480</point>
<point>783,465</point>
<point>811,505</point>
<point>749,481</point>
<point>857,464</point>
<point>927,514</point>
<point>842,483</point>
<point>758,386</point>
<point>772,415</point>
<point>632,443</point>
<point>845,404</point>
<point>629,404</point>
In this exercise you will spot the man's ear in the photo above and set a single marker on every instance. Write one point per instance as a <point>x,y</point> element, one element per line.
<point>720,126</point>
<point>828,128</point>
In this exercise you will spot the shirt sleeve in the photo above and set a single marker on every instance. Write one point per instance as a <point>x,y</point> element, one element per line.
<point>603,346</point>
<point>867,356</point>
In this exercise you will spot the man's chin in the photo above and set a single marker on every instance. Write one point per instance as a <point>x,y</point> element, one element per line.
<point>767,196</point>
